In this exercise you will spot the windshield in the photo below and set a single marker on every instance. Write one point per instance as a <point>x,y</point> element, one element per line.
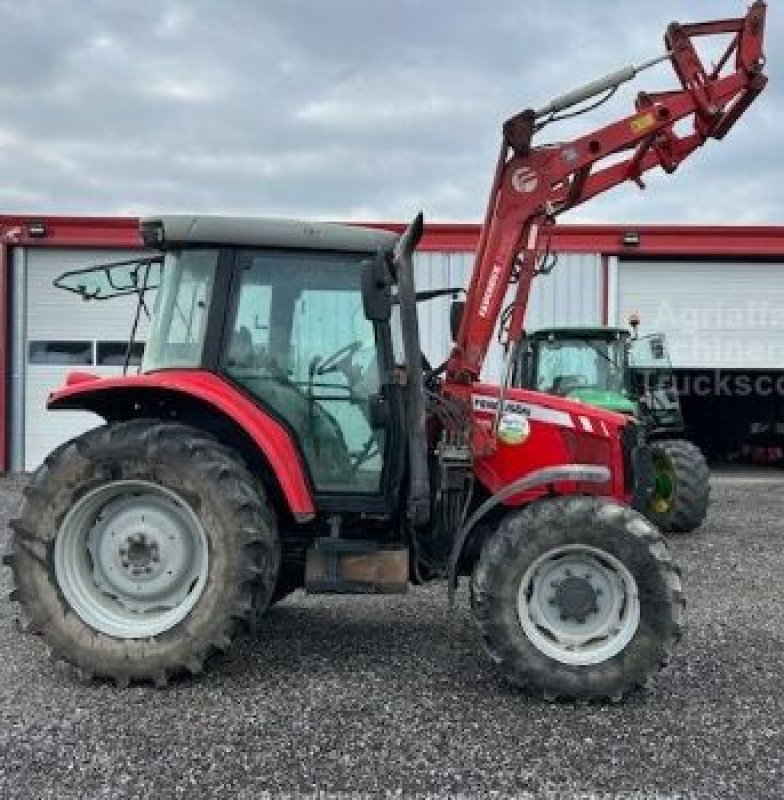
<point>568,364</point>
<point>182,304</point>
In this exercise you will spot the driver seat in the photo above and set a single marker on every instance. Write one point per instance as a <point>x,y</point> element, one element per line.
<point>241,349</point>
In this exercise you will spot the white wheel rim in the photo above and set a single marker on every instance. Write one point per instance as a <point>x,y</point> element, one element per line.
<point>578,605</point>
<point>131,559</point>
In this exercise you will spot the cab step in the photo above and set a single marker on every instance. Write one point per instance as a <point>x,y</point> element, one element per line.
<point>345,566</point>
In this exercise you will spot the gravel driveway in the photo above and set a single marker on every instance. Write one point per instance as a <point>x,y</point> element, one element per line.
<point>392,697</point>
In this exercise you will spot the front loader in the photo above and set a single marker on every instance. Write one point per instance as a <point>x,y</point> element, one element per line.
<point>285,431</point>
<point>613,368</point>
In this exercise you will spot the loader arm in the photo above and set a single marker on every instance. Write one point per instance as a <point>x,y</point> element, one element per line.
<point>535,184</point>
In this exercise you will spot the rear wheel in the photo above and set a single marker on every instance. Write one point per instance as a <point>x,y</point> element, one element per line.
<point>577,598</point>
<point>143,547</point>
<point>681,492</point>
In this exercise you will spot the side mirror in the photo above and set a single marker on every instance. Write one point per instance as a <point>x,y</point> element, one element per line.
<point>657,348</point>
<point>377,289</point>
<point>456,317</point>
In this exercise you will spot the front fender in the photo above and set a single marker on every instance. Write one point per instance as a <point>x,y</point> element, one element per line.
<point>587,473</point>
<point>141,395</point>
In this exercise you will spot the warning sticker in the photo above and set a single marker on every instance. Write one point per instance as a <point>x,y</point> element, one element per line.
<point>643,122</point>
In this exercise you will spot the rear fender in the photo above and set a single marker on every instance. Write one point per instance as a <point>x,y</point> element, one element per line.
<point>207,402</point>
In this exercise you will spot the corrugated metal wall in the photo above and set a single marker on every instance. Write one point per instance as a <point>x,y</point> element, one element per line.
<point>570,295</point>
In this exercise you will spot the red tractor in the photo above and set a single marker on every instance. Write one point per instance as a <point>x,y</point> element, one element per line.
<point>284,431</point>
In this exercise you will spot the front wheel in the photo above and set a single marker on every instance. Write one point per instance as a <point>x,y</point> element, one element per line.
<point>681,491</point>
<point>577,598</point>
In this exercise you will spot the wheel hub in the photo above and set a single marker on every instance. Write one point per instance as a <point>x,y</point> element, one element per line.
<point>139,553</point>
<point>576,598</point>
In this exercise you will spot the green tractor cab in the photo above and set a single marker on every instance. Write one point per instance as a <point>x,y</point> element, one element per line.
<point>613,368</point>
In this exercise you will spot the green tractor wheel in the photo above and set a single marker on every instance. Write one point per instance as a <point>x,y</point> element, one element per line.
<point>679,502</point>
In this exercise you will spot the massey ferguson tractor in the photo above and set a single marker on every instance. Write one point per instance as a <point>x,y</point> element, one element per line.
<point>284,430</point>
<point>615,369</point>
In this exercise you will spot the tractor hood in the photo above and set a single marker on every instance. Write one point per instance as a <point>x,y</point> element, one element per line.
<point>601,398</point>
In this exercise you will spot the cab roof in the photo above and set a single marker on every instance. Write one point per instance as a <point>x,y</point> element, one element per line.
<point>579,332</point>
<point>176,230</point>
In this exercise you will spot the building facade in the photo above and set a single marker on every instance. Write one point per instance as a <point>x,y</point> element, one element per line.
<point>716,292</point>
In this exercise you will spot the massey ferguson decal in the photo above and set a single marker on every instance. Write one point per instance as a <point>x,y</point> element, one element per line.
<point>532,412</point>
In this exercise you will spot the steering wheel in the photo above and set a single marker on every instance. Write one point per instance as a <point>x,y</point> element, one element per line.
<point>565,383</point>
<point>339,360</point>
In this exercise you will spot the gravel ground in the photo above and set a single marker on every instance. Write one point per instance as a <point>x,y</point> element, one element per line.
<point>345,698</point>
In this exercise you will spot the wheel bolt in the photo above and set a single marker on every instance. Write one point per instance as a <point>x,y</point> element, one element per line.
<point>124,562</point>
<point>552,601</point>
<point>148,569</point>
<point>568,572</point>
<point>598,592</point>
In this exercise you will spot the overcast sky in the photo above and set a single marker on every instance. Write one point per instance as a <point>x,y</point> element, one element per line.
<point>340,109</point>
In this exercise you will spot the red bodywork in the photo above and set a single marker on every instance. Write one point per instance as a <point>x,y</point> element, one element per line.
<point>561,432</point>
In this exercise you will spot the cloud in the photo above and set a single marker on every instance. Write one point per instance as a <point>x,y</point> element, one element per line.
<point>343,110</point>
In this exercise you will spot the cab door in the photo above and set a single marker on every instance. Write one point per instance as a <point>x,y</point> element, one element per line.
<point>298,341</point>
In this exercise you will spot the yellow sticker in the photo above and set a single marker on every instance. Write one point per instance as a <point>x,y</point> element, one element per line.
<point>643,122</point>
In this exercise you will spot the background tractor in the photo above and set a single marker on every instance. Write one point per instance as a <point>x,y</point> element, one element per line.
<point>613,368</point>
<point>284,431</point>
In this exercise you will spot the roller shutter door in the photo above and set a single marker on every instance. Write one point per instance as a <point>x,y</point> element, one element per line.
<point>715,315</point>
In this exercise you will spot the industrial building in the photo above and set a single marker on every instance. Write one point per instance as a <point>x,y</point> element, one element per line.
<point>716,292</point>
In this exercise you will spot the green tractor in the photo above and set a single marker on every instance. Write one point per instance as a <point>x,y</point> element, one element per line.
<point>613,368</point>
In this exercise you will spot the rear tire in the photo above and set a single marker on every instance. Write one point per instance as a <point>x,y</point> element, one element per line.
<point>577,597</point>
<point>682,492</point>
<point>142,548</point>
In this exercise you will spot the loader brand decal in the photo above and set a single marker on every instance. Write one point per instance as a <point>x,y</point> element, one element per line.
<point>492,282</point>
<point>570,154</point>
<point>527,410</point>
<point>513,428</point>
<point>643,122</point>
<point>524,180</point>
<point>533,235</point>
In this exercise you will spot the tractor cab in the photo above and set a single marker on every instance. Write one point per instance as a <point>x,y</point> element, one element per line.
<point>587,364</point>
<point>611,368</point>
<point>276,310</point>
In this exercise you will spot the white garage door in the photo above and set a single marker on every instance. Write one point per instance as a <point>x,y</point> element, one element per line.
<point>715,315</point>
<point>62,333</point>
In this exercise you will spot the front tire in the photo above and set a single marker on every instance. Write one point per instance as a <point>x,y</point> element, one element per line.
<point>577,598</point>
<point>142,548</point>
<point>679,503</point>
